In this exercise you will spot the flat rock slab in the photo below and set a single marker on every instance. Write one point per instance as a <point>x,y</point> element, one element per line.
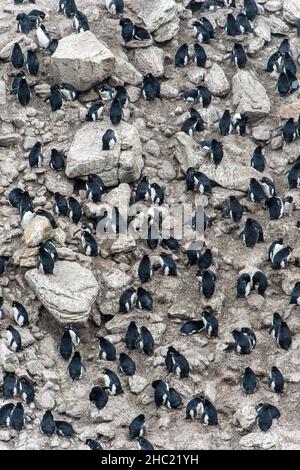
<point>68,294</point>
<point>82,60</point>
<point>249,95</point>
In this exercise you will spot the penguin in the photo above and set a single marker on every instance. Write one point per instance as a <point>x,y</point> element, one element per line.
<point>106,92</point>
<point>294,175</point>
<point>26,23</point>
<point>43,37</point>
<point>60,204</point>
<point>161,392</point>
<point>122,95</point>
<point>191,125</point>
<point>65,345</point>
<point>170,243</point>
<point>281,332</point>
<point>126,364</point>
<point>52,46</point>
<point>266,414</point>
<point>274,62</point>
<point>295,295</point>
<point>244,286</point>
<point>140,33</point>
<point>289,131</point>
<point>205,260</point>
<point>57,160</point>
<point>239,122</point>
<point>17,418</point>
<point>191,96</point>
<point>88,242</point>
<point>144,299</point>
<point>211,324</point>
<point>225,123</point>
<point>94,188</point>
<point>99,396</point>
<point>26,391</point>
<point>55,98</point>
<point>274,248</point>
<point>242,342</point>
<point>210,414</point>
<point>68,91</point>
<point>259,279</point>
<point>2,312</point>
<point>17,57</point>
<point>35,156</point>
<point>201,32</point>
<point>197,181</point>
<point>23,92</point>
<point>252,233</point>
<point>107,351</point>
<point>250,335</point>
<point>38,15</point>
<point>243,24</point>
<point>144,444</point>
<point>6,414</point>
<point>207,24</point>
<point>283,85</point>
<point>74,334</point>
<point>193,408</point>
<point>95,111</point>
<point>215,151</point>
<point>127,29</point>
<point>231,26</point>
<point>276,380</point>
<point>13,339</point>
<point>70,8</point>
<point>112,382</point>
<point>115,112</point>
<point>281,258</point>
<point>131,336</point>
<point>157,194</point>
<point>64,429</point>
<point>192,327</point>
<point>204,96</point>
<point>200,56</point>
<point>47,424</point>
<point>10,385</point>
<point>174,400</point>
<point>25,200</point>
<point>143,191</point>
<point>206,281</point>
<point>16,82</point>
<point>76,366</point>
<point>238,55</point>
<point>250,9</point>
<point>109,140</point>
<point>93,445</point>
<point>258,161</point>
<point>255,191</point>
<point>276,207</point>
<point>177,363</point>
<point>74,210</point>
<point>268,187</point>
<point>45,261</point>
<point>145,341</point>
<point>50,248</point>
<point>127,300</point>
<point>145,270</point>
<point>3,264</point>
<point>32,63</point>
<point>167,264</point>
<point>137,427</point>
<point>288,64</point>
<point>115,7</point>
<point>249,381</point>
<point>182,55</point>
<point>26,217</point>
<point>20,314</point>
<point>234,209</point>
<point>81,22</point>
<point>151,87</point>
<point>292,81</point>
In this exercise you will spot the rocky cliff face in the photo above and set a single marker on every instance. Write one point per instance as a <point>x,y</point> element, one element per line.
<point>151,145</point>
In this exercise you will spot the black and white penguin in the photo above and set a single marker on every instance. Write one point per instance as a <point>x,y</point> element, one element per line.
<point>252,233</point>
<point>74,210</point>
<point>250,335</point>
<point>137,427</point>
<point>107,351</point>
<point>182,55</point>
<point>258,160</point>
<point>249,381</point>
<point>115,7</point>
<point>65,345</point>
<point>289,131</point>
<point>127,300</point>
<point>157,195</point>
<point>151,87</point>
<point>274,62</point>
<point>126,364</point>
<point>231,25</point>
<point>171,243</point>
<point>200,56</point>
<point>89,244</point>
<point>50,247</point>
<point>283,85</point>
<point>74,334</point>
<point>145,341</point>
<point>140,33</point>
<point>208,25</point>
<point>244,285</point>
<point>32,63</point>
<point>174,399</point>
<point>205,260</point>
<point>197,181</point>
<point>47,424</point>
<point>35,156</point>
<point>242,342</point>
<point>10,386</point>
<point>69,8</point>
<point>94,188</point>
<point>106,92</point>
<point>167,264</point>
<point>281,258</point>
<point>265,416</point>
<point>281,332</point>
<point>76,366</point>
<point>268,187</point>
<point>5,415</point>
<point>81,22</point>
<point>243,24</point>
<point>55,98</point>
<point>99,396</point>
<point>259,279</point>
<point>201,32</point>
<point>26,391</point>
<point>60,204</point>
<point>112,382</point>
<point>289,64</point>
<point>255,191</point>
<point>209,414</point>
<point>225,123</point>
<point>95,111</point>
<point>45,262</point>
<point>294,175</point>
<point>131,336</point>
<point>37,15</point>
<point>145,270</point>
<point>109,139</point>
<point>25,24</point>
<point>17,418</point>
<point>234,210</point>
<point>57,160</point>
<point>127,29</point>
<point>143,191</point>
<point>206,281</point>
<point>13,339</point>
<point>191,327</point>
<point>43,37</point>
<point>191,125</point>
<point>295,295</point>
<point>194,408</point>
<point>23,92</point>
<point>115,112</point>
<point>16,82</point>
<point>20,314</point>
<point>211,324</point>
<point>250,9</point>
<point>68,91</point>
<point>3,263</point>
<point>276,380</point>
<point>293,81</point>
<point>274,248</point>
<point>17,57</point>
<point>64,429</point>
<point>239,122</point>
<point>144,299</point>
<point>161,392</point>
<point>144,444</point>
<point>238,55</point>
<point>215,151</point>
<point>122,95</point>
<point>276,206</point>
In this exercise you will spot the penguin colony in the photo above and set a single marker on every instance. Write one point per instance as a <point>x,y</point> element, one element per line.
<point>171,258</point>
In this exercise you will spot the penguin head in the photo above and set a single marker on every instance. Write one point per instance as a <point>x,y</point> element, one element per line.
<point>125,21</point>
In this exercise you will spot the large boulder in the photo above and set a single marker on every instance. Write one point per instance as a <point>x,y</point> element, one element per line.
<point>216,81</point>
<point>82,60</point>
<point>68,294</point>
<point>37,231</point>
<point>122,164</point>
<point>249,95</point>
<point>150,60</point>
<point>291,11</point>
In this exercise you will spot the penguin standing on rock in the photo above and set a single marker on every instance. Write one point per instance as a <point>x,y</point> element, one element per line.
<point>137,427</point>
<point>23,92</point>
<point>289,131</point>
<point>115,112</point>
<point>161,392</point>
<point>43,37</point>
<point>69,8</point>
<point>47,424</point>
<point>211,324</point>
<point>60,204</point>
<point>65,346</point>
<point>276,380</point>
<point>276,206</point>
<point>45,261</point>
<point>144,299</point>
<point>3,263</point>
<point>197,181</point>
<point>115,7</point>
<point>13,339</point>
<point>16,82</point>
<point>174,400</point>
<point>168,265</point>
<point>144,444</point>
<point>200,56</point>
<point>81,22</point>
<point>98,395</point>
<point>112,382</point>
<point>95,111</point>
<point>225,123</point>
<point>251,335</point>
<point>20,314</point>
<point>94,188</point>
<point>145,270</point>
<point>107,351</point>
<point>242,343</point>
<point>243,24</point>
<point>151,87</point>
<point>127,300</point>
<point>250,9</point>
<point>206,281</point>
<point>249,381</point>
<point>76,366</point>
<point>106,92</point>
<point>205,260</point>
<point>201,32</point>
<point>131,336</point>
<point>126,364</point>
<point>182,55</point>
<point>26,391</point>
<point>280,256</point>
<point>5,415</point>
<point>17,57</point>
<point>32,63</point>
<point>68,91</point>
<point>64,429</point>
<point>145,341</point>
<point>268,187</point>
<point>10,386</point>
<point>57,160</point>
<point>295,295</point>
<point>255,191</point>
<point>122,95</point>
<point>55,98</point>
<point>191,327</point>
<point>259,279</point>
<point>252,233</point>
<point>209,414</point>
<point>74,334</point>
<point>35,156</point>
<point>88,242</point>
<point>281,332</point>
<point>193,408</point>
<point>244,285</point>
<point>109,140</point>
<point>26,23</point>
<point>238,56</point>
<point>74,210</point>
<point>18,419</point>
<point>234,209</point>
<point>231,25</point>
<point>258,161</point>
<point>265,416</point>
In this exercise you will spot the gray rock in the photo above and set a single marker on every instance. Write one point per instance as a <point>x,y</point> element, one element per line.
<point>259,440</point>
<point>38,230</point>
<point>8,359</point>
<point>273,5</point>
<point>150,60</point>
<point>127,72</point>
<point>167,31</point>
<point>156,13</point>
<point>245,417</point>
<point>216,81</point>
<point>249,95</point>
<point>137,384</point>
<point>291,11</point>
